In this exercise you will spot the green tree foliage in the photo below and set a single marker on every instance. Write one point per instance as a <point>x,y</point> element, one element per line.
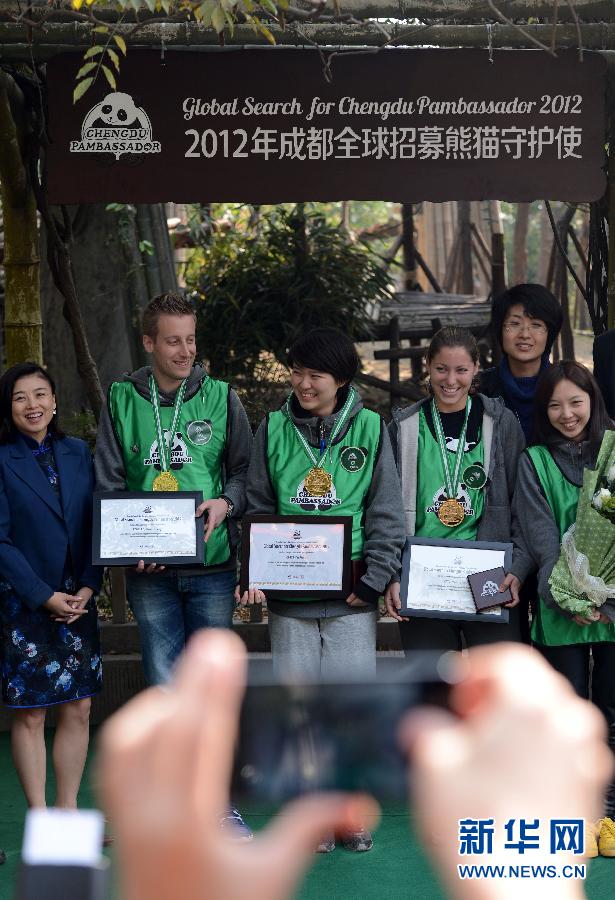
<point>257,290</point>
<point>103,58</point>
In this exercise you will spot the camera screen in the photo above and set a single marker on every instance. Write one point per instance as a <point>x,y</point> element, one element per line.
<point>297,738</point>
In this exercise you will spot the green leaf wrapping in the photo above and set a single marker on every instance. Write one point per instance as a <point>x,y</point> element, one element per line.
<point>594,536</point>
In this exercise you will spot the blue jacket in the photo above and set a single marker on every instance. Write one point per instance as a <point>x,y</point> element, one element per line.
<point>36,529</point>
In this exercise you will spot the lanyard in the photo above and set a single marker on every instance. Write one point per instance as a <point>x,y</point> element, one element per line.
<point>164,449</point>
<point>350,401</point>
<point>452,481</point>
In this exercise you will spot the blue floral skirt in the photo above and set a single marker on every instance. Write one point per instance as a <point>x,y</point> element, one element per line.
<point>45,662</point>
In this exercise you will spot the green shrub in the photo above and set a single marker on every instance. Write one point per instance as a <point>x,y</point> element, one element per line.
<point>261,288</point>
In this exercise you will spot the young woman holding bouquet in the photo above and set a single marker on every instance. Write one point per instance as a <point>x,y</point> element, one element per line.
<point>448,497</point>
<point>570,420</point>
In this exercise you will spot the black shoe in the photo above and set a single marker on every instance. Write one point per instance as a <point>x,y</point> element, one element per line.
<point>358,842</point>
<point>327,844</point>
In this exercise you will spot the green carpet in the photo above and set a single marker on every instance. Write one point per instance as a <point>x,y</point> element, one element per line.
<point>394,870</point>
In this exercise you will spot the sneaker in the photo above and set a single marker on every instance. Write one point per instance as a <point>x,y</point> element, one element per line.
<point>234,826</point>
<point>358,842</point>
<point>606,838</point>
<point>327,844</point>
<point>592,830</point>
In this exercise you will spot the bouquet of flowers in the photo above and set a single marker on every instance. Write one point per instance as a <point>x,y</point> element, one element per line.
<point>583,578</point>
<point>604,498</point>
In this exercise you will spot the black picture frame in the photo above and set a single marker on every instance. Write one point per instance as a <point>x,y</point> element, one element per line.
<point>287,594</point>
<point>99,497</point>
<point>423,612</point>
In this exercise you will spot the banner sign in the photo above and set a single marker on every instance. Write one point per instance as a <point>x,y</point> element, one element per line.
<point>264,126</point>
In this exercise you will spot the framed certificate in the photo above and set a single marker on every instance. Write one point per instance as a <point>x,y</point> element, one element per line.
<point>434,577</point>
<point>155,526</point>
<point>301,556</point>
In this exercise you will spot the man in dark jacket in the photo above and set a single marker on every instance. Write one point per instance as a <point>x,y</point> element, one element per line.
<point>604,368</point>
<point>525,320</point>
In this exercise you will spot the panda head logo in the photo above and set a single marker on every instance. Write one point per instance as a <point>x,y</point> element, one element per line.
<point>117,110</point>
<point>116,125</point>
<point>179,451</point>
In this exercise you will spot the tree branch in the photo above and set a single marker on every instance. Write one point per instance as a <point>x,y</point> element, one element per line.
<point>560,247</point>
<point>525,33</point>
<point>554,24</point>
<point>12,169</point>
<point>578,27</point>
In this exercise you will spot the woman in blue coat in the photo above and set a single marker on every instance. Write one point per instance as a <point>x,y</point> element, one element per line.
<point>49,643</point>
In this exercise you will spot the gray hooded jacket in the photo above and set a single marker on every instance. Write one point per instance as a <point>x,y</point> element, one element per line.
<point>109,459</point>
<point>503,444</point>
<point>383,515</point>
<point>540,533</point>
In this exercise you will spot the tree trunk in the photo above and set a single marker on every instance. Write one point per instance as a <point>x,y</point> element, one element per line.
<point>345,215</point>
<point>59,244</point>
<point>583,323</point>
<point>22,310</point>
<point>546,245</point>
<point>113,283</point>
<point>611,217</point>
<point>522,220</point>
<point>561,282</point>
<point>407,231</point>
<point>466,280</point>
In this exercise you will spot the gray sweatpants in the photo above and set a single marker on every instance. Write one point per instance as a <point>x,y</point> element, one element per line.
<point>327,649</point>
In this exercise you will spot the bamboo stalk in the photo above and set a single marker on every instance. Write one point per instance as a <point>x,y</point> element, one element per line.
<point>19,41</point>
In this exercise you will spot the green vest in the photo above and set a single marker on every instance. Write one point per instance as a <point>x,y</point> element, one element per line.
<point>197,448</point>
<point>431,490</point>
<point>354,457</point>
<point>549,627</point>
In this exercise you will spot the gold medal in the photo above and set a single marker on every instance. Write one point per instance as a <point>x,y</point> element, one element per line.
<point>317,482</point>
<point>451,513</point>
<point>166,481</point>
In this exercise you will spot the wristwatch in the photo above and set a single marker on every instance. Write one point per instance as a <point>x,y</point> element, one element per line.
<point>230,505</point>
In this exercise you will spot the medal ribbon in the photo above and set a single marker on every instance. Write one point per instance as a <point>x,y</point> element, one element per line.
<point>164,449</point>
<point>350,401</point>
<point>452,482</point>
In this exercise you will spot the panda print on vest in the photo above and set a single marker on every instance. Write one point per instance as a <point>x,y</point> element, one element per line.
<point>179,452</point>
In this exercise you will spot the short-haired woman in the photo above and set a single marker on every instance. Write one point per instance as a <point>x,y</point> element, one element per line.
<point>323,425</point>
<point>48,625</point>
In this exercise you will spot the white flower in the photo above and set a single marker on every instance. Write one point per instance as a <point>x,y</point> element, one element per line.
<point>600,497</point>
<point>610,475</point>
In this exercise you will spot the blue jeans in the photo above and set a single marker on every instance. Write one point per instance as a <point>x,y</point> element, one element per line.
<point>170,607</point>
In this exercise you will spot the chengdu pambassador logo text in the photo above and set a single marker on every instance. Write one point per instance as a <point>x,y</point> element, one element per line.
<point>116,125</point>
